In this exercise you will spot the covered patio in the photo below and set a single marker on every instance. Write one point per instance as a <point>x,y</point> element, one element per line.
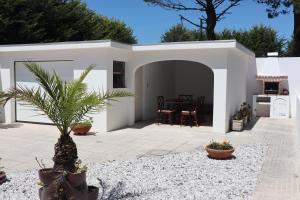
<point>184,89</point>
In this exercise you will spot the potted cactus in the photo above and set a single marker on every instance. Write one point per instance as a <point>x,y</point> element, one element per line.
<point>218,150</point>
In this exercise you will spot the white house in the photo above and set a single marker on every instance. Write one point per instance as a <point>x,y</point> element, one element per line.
<point>222,71</point>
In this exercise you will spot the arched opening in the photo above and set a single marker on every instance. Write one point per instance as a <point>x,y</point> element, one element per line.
<point>170,79</point>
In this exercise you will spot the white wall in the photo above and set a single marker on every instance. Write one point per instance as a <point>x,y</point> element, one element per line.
<point>158,80</point>
<point>283,66</point>
<point>81,59</point>
<point>215,59</point>
<point>2,114</point>
<point>117,112</point>
<point>298,117</point>
<point>194,78</point>
<point>236,82</point>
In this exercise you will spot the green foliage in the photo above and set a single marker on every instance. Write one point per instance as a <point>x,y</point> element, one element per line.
<point>82,123</point>
<point>237,116</point>
<point>243,112</point>
<point>80,168</point>
<point>35,21</point>
<point>260,39</point>
<point>178,33</point>
<point>220,146</point>
<point>290,48</point>
<point>65,103</point>
<point>115,30</point>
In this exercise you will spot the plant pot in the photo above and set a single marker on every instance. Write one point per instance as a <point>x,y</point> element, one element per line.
<point>76,179</point>
<point>81,130</point>
<point>2,177</point>
<point>93,192</point>
<point>219,154</point>
<point>237,125</point>
<point>48,175</point>
<point>73,185</point>
<point>245,120</point>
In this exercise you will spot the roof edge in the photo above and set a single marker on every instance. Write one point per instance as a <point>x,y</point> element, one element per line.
<point>129,47</point>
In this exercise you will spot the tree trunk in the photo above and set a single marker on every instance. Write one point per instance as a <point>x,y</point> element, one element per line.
<point>211,20</point>
<point>296,50</point>
<point>65,154</point>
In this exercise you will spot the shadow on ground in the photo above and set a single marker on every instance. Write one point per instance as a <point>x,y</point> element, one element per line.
<point>8,126</point>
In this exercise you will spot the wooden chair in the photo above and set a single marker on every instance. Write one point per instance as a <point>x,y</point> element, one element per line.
<point>162,112</point>
<point>192,111</point>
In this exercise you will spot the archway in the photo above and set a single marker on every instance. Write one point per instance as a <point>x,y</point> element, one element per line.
<point>169,79</point>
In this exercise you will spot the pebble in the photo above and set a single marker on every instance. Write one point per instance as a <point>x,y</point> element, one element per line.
<point>180,176</point>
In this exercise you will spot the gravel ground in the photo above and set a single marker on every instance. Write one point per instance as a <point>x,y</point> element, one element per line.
<point>174,176</point>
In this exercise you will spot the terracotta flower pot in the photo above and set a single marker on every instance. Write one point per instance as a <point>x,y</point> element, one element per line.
<point>81,130</point>
<point>219,154</point>
<point>2,177</point>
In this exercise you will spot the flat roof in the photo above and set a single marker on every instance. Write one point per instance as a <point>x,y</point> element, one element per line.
<point>216,44</point>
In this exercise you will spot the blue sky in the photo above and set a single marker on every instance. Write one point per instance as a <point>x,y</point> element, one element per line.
<point>149,22</point>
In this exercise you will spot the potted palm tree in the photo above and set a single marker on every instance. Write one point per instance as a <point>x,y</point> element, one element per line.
<point>64,103</point>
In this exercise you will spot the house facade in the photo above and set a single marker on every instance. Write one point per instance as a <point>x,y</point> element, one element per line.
<point>222,71</point>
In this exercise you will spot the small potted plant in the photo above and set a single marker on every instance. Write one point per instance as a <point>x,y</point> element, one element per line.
<point>237,121</point>
<point>218,150</point>
<point>2,175</point>
<point>246,112</point>
<point>82,127</point>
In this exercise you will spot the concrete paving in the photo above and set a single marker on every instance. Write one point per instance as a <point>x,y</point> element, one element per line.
<point>21,143</point>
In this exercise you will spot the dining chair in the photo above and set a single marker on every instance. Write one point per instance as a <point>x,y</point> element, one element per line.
<point>192,111</point>
<point>162,112</point>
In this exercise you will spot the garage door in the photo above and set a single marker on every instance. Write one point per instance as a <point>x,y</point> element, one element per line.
<point>26,113</point>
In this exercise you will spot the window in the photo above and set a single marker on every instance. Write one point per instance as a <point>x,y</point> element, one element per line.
<point>119,74</point>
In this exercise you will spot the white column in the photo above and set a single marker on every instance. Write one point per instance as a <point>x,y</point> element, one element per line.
<point>7,82</point>
<point>220,121</point>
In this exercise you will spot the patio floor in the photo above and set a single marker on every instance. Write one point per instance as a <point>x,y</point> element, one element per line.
<point>21,143</point>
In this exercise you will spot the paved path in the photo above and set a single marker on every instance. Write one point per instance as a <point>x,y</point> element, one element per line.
<point>280,178</point>
<point>21,143</point>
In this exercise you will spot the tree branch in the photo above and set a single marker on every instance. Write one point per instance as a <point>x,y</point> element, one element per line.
<point>169,4</point>
<point>225,11</point>
<point>186,19</point>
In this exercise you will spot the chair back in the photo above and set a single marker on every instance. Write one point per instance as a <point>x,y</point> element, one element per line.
<point>160,102</point>
<point>201,100</point>
<point>185,97</point>
<point>200,103</point>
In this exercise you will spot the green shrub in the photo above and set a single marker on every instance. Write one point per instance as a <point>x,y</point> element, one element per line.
<point>225,145</point>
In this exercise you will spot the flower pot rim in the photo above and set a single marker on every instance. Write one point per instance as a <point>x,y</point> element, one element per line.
<point>223,150</point>
<point>81,125</point>
<point>238,120</point>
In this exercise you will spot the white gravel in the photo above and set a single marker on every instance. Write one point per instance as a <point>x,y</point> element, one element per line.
<point>174,176</point>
